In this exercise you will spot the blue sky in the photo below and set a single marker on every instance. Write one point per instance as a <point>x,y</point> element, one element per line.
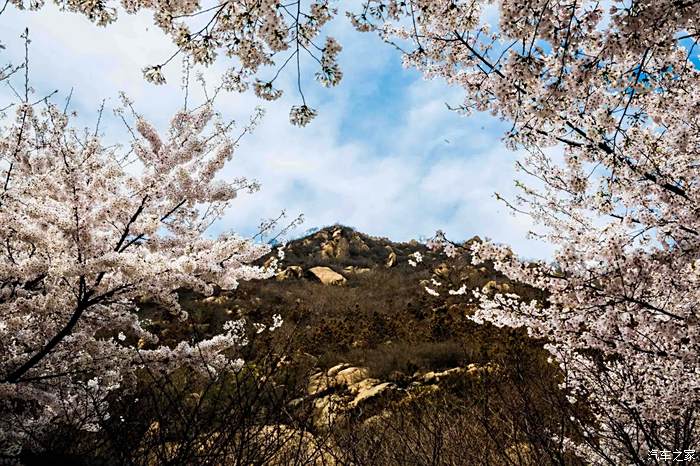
<point>384,155</point>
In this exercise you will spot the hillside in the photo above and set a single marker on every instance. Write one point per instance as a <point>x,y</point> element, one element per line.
<point>419,357</point>
<point>380,308</point>
<point>368,368</point>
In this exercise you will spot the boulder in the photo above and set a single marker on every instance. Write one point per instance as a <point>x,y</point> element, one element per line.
<point>442,271</point>
<point>477,370</point>
<point>351,375</point>
<point>293,271</point>
<point>342,248</point>
<point>450,372</point>
<point>270,262</point>
<point>317,383</point>
<point>327,276</point>
<point>335,369</point>
<point>336,248</point>
<point>216,299</point>
<point>435,377</point>
<point>327,410</point>
<point>372,392</point>
<point>327,251</point>
<point>356,270</point>
<point>340,376</point>
<point>357,243</point>
<point>362,385</point>
<point>391,259</point>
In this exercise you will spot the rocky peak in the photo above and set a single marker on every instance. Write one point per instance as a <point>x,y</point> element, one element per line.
<point>340,247</point>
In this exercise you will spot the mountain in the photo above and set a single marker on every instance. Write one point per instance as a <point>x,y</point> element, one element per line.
<point>369,368</point>
<point>380,309</point>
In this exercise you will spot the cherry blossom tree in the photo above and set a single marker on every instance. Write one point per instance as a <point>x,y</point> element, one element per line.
<point>604,98</point>
<point>89,232</point>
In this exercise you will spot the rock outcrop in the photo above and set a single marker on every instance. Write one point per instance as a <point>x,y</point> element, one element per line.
<point>436,377</point>
<point>442,271</point>
<point>391,258</point>
<point>327,276</point>
<point>222,299</point>
<point>356,270</point>
<point>335,247</point>
<point>372,392</point>
<point>293,271</point>
<point>346,390</point>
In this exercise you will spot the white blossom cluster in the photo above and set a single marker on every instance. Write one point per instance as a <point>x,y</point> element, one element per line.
<point>85,240</point>
<point>440,243</point>
<point>416,258</point>
<point>254,35</point>
<point>301,115</point>
<point>330,74</point>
